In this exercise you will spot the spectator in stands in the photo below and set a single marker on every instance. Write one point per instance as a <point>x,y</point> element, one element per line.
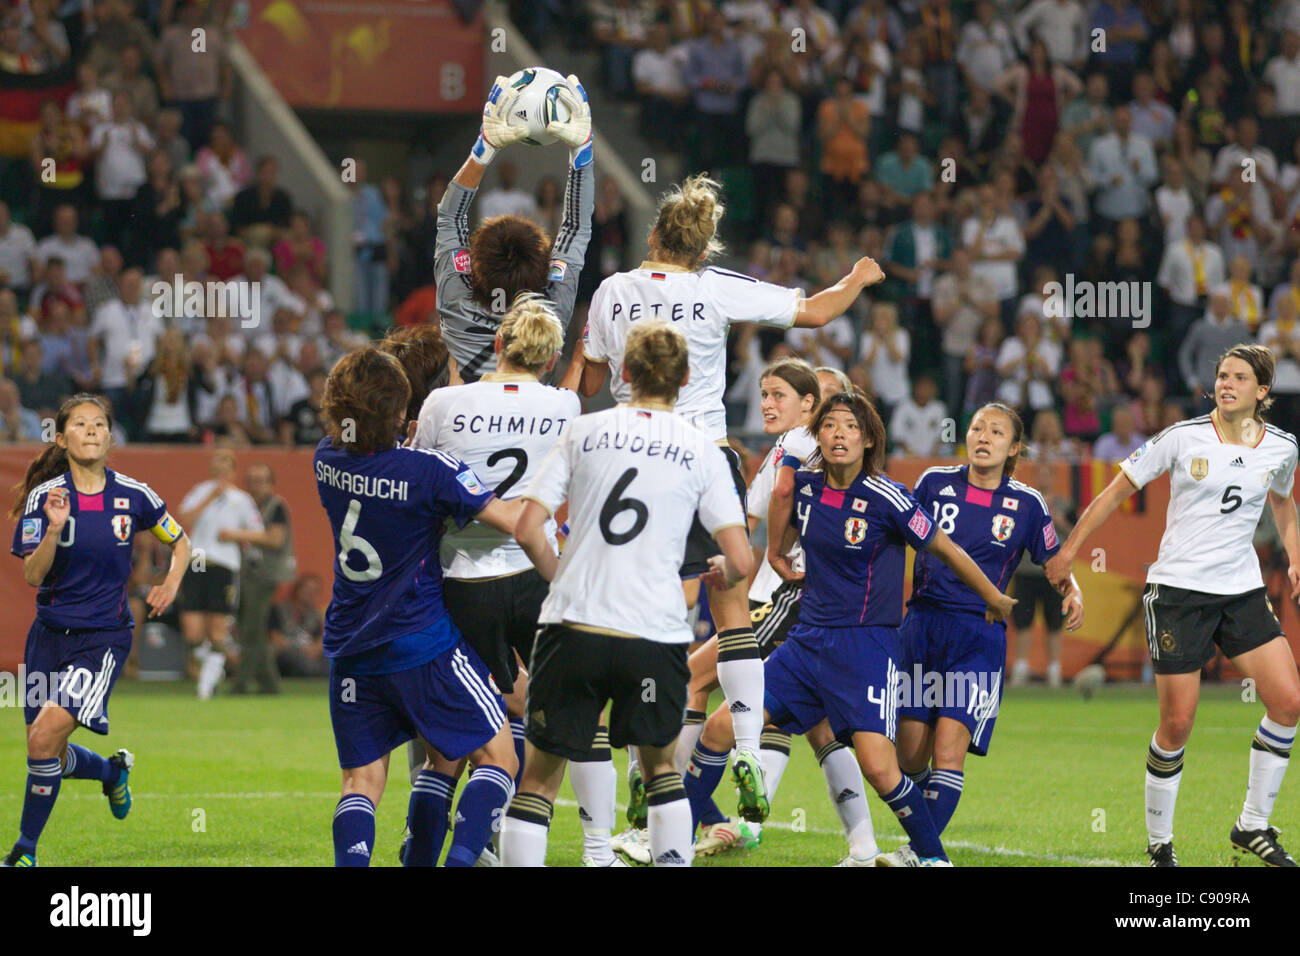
<point>620,27</point>
<point>44,39</point>
<point>315,300</point>
<point>506,198</point>
<point>259,403</point>
<point>77,253</point>
<point>1086,382</point>
<point>962,302</point>
<point>259,213</point>
<point>903,174</point>
<point>118,147</point>
<point>300,247</point>
<point>17,254</point>
<point>224,165</point>
<point>195,204</point>
<point>915,79</point>
<point>1152,118</point>
<point>41,391</point>
<point>916,250</point>
<point>1126,30</point>
<point>885,349</point>
<point>1282,335</point>
<point>116,29</point>
<point>917,426</point>
<point>266,563</point>
<point>982,126</point>
<point>1240,218</point>
<point>157,211</point>
<point>194,82</point>
<point>843,124</point>
<point>129,78</point>
<point>1216,332</point>
<point>1061,24</point>
<point>986,48</point>
<point>104,283</point>
<point>167,134</point>
<point>610,240</point>
<point>339,340</point>
<point>302,426</point>
<point>996,244</point>
<point>1088,116</point>
<point>1122,167</point>
<point>1286,290</point>
<point>1027,364</point>
<point>15,329</point>
<point>657,79</point>
<point>226,256</point>
<point>1174,202</point>
<point>1039,91</point>
<point>66,344</point>
<point>297,631</point>
<point>1247,298</point>
<point>831,346</point>
<point>123,339</point>
<point>772,122</point>
<point>16,423</point>
<point>93,102</point>
<point>1149,406</point>
<point>167,390</point>
<point>229,424</point>
<point>1132,368</point>
<point>370,248</point>
<point>715,73</point>
<point>55,287</point>
<point>1194,159</point>
<point>1051,230</point>
<point>1189,268</point>
<point>1283,72</point>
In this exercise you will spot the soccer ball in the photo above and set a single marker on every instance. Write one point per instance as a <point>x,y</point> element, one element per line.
<point>538,103</point>
<point>1090,680</point>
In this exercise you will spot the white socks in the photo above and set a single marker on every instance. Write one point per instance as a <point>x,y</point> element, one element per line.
<point>688,738</point>
<point>212,666</point>
<point>523,843</point>
<point>844,787</point>
<point>1269,756</point>
<point>595,784</point>
<point>1164,771</point>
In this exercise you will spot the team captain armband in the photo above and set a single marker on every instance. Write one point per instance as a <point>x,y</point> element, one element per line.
<point>167,530</point>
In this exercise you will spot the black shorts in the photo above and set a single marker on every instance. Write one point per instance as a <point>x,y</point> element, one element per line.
<point>214,590</point>
<point>1184,626</point>
<point>700,545</point>
<point>772,621</point>
<point>575,672</point>
<point>498,616</point>
<point>1031,591</point>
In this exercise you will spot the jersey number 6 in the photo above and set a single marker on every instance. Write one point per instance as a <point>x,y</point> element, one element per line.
<point>615,505</point>
<point>349,542</point>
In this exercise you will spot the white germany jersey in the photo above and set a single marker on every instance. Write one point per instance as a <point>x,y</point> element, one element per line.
<point>701,305</point>
<point>634,478</point>
<point>502,426</point>
<point>1216,494</point>
<point>795,442</point>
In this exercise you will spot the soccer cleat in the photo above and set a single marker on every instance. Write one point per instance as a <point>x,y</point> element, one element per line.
<point>406,842</point>
<point>18,857</point>
<point>488,857</point>
<point>903,856</point>
<point>634,844</point>
<point>747,772</point>
<point>1162,854</point>
<point>855,861</point>
<point>119,792</point>
<point>638,810</point>
<point>719,838</point>
<point>1262,843</point>
<point>934,861</point>
<point>591,861</point>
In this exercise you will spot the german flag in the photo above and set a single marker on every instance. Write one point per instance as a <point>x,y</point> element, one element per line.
<point>21,96</point>
<point>1088,479</point>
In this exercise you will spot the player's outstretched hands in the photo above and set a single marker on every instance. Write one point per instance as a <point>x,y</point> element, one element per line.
<point>160,598</point>
<point>57,508</point>
<point>497,131</point>
<point>1057,569</point>
<point>1000,610</point>
<point>576,130</point>
<point>867,271</point>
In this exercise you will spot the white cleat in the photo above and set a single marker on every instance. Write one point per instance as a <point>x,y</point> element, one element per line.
<point>903,856</point>
<point>488,858</point>
<point>859,861</point>
<point>616,861</point>
<point>934,861</point>
<point>633,844</point>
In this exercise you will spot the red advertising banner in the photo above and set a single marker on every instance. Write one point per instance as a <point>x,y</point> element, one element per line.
<point>405,55</point>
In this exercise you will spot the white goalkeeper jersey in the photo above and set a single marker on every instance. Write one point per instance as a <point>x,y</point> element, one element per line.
<point>800,444</point>
<point>1217,492</point>
<point>701,305</point>
<point>502,426</point>
<point>634,478</point>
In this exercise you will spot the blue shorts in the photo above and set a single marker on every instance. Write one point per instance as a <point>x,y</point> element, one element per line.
<point>76,671</point>
<point>951,666</point>
<point>449,701</point>
<point>845,674</point>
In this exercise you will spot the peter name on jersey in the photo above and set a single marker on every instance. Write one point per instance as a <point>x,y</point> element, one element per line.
<point>650,310</point>
<point>514,424</point>
<point>637,445</point>
<point>362,485</point>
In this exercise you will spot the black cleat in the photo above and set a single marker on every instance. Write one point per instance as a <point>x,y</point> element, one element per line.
<point>1162,854</point>
<point>1262,843</point>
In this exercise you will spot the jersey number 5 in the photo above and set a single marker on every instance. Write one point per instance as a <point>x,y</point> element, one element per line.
<point>349,542</point>
<point>1231,502</point>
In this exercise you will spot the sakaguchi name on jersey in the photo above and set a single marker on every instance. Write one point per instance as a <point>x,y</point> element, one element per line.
<point>362,485</point>
<point>507,424</point>
<point>636,444</point>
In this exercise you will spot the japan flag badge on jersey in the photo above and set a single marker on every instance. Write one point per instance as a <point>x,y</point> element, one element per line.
<point>121,504</point>
<point>920,524</point>
<point>1011,504</point>
<point>859,504</point>
<point>122,527</point>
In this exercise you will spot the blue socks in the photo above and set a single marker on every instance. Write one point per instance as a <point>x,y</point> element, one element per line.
<point>942,794</point>
<point>517,731</point>
<point>428,817</point>
<point>43,779</point>
<point>909,805</point>
<point>354,830</point>
<point>479,812</point>
<point>703,774</point>
<point>83,764</point>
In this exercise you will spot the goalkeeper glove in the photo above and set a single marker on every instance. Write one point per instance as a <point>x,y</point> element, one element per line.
<point>575,132</point>
<point>497,133</point>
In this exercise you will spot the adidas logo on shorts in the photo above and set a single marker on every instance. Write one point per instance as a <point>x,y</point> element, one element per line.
<point>360,849</point>
<point>738,707</point>
<point>671,858</point>
<point>845,795</point>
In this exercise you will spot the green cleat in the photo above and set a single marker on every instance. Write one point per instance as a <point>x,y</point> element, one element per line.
<point>747,772</point>
<point>638,810</point>
<point>119,792</point>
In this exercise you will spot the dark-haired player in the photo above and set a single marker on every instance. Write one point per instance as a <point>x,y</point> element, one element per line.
<point>399,668</point>
<point>77,521</point>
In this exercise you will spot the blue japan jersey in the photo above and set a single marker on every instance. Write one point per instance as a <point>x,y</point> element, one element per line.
<point>85,589</point>
<point>994,527</point>
<point>854,548</point>
<point>387,511</point>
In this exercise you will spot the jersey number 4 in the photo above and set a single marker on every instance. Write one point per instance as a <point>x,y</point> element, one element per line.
<point>349,541</point>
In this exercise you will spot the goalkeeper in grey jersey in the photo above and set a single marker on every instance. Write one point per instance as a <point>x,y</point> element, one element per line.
<point>480,273</point>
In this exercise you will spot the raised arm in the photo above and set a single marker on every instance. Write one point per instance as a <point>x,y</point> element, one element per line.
<point>830,303</point>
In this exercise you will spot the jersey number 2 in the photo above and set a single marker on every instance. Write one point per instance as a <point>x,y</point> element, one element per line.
<point>521,465</point>
<point>349,542</point>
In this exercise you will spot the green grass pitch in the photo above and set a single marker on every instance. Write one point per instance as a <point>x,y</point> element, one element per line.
<point>252,781</point>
